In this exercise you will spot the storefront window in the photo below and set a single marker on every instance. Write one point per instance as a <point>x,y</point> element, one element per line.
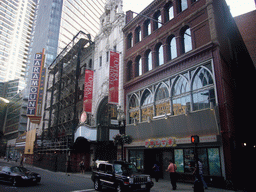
<point>214,161</point>
<point>210,158</point>
<point>179,160</point>
<point>189,161</point>
<point>137,158</point>
<point>202,156</point>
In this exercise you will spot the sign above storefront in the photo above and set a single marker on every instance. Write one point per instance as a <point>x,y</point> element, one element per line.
<point>160,142</point>
<point>172,141</point>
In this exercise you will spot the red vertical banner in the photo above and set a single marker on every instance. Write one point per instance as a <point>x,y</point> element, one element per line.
<point>88,90</point>
<point>113,78</point>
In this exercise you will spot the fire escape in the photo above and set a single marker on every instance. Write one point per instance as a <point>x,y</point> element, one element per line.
<point>64,94</point>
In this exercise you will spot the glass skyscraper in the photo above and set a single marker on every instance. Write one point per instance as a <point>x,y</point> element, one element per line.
<point>16,21</point>
<point>58,21</point>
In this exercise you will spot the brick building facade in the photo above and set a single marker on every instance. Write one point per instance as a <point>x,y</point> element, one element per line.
<point>184,75</point>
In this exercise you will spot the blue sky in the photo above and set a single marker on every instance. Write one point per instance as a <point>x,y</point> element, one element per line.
<point>237,7</point>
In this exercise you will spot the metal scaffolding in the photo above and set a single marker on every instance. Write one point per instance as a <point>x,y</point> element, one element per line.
<point>64,94</point>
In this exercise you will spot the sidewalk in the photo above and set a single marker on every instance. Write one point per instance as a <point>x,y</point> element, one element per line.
<point>165,186</point>
<point>161,186</point>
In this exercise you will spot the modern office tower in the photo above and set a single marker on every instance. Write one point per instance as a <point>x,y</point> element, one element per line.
<point>58,21</point>
<point>16,19</point>
<point>10,88</point>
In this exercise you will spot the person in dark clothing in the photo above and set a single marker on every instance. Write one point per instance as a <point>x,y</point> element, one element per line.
<point>156,169</point>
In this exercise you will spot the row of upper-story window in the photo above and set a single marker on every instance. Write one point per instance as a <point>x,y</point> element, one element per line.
<point>160,54</point>
<point>158,20</point>
<point>189,91</point>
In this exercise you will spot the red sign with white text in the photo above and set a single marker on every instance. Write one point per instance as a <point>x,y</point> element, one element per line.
<point>88,90</point>
<point>113,78</point>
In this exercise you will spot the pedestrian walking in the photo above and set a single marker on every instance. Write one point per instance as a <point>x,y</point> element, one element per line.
<point>21,161</point>
<point>81,165</point>
<point>156,170</point>
<point>173,175</point>
<point>199,175</point>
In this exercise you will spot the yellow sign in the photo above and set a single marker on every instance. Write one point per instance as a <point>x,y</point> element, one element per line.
<point>30,140</point>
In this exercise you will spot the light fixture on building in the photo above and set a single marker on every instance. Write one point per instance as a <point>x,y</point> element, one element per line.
<point>245,144</point>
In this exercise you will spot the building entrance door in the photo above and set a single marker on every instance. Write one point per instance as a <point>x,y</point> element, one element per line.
<point>167,155</point>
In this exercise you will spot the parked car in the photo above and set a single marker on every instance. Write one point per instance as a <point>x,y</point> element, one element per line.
<point>121,176</point>
<point>18,175</point>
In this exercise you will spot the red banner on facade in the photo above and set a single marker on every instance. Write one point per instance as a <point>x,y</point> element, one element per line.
<point>88,90</point>
<point>113,78</point>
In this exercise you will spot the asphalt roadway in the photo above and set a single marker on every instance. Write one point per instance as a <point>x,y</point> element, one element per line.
<point>77,182</point>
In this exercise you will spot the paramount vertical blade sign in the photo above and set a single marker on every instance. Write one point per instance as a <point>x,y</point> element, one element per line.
<point>113,78</point>
<point>88,90</point>
<point>36,89</point>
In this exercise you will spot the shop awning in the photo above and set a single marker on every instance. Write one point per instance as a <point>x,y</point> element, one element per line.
<point>88,133</point>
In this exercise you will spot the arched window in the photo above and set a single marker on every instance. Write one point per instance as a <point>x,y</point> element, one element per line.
<point>172,51</point>
<point>202,78</point>
<point>134,102</point>
<point>147,28</point>
<point>137,34</point>
<point>162,92</point>
<point>147,98</point>
<point>169,14</point>
<point>180,87</point>
<point>129,41</point>
<point>186,40</point>
<point>181,97</point>
<point>129,70</point>
<point>149,60</point>
<point>158,18</point>
<point>133,108</point>
<point>147,106</point>
<point>162,100</point>
<point>182,5</point>
<point>160,54</point>
<point>203,90</point>
<point>138,71</point>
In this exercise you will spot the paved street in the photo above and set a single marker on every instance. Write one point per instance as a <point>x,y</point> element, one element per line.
<point>62,182</point>
<point>51,182</point>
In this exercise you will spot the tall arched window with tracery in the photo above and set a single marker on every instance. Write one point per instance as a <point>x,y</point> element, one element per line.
<point>162,100</point>
<point>180,95</point>
<point>146,106</point>
<point>203,89</point>
<point>133,108</point>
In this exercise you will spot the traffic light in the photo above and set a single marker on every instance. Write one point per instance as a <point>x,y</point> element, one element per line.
<point>195,139</point>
